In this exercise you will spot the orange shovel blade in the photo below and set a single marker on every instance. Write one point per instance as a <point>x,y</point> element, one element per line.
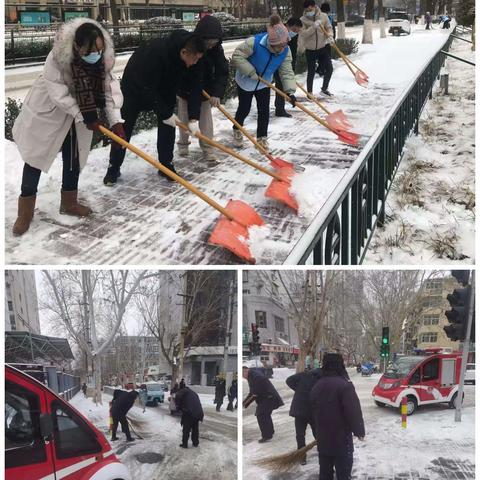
<point>280,163</point>
<point>361,78</point>
<point>338,120</point>
<point>233,235</point>
<point>280,189</point>
<point>347,137</point>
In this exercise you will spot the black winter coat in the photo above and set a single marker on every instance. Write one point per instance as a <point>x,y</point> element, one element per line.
<point>337,415</point>
<point>154,72</point>
<point>302,384</point>
<point>122,403</point>
<point>189,403</point>
<point>232,391</point>
<point>267,397</point>
<point>220,390</point>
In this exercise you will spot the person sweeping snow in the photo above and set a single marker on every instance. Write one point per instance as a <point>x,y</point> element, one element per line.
<point>262,56</point>
<point>60,113</point>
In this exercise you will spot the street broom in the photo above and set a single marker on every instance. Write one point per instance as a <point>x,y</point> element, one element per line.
<point>287,461</point>
<point>231,231</point>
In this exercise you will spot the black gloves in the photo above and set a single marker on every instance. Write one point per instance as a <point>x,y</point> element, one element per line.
<point>293,99</point>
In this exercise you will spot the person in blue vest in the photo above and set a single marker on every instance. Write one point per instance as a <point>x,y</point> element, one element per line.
<point>262,56</point>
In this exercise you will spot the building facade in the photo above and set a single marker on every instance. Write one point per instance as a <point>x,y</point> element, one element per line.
<point>21,302</point>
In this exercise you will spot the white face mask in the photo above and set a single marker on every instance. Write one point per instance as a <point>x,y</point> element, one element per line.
<point>310,14</point>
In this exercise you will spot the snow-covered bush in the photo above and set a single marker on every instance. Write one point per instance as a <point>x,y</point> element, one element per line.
<point>163,22</point>
<point>348,46</point>
<point>225,17</point>
<point>12,109</point>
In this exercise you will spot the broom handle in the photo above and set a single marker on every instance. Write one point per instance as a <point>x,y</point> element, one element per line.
<point>347,61</point>
<point>313,99</point>
<point>168,172</point>
<point>229,151</point>
<point>242,129</point>
<point>299,105</point>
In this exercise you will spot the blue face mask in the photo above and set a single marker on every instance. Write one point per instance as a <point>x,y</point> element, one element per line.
<point>92,57</point>
<point>310,14</point>
<point>292,34</point>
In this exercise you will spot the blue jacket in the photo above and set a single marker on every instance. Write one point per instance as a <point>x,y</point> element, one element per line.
<point>265,62</point>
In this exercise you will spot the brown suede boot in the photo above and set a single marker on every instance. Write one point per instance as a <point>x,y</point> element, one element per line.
<point>70,206</point>
<point>26,206</point>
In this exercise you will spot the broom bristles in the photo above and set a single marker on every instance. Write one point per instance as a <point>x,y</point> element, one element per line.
<point>285,462</point>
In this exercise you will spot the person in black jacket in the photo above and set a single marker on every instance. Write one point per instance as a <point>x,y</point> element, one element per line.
<point>122,402</point>
<point>338,415</point>
<point>150,81</point>
<point>232,395</point>
<point>220,391</point>
<point>192,413</point>
<point>214,74</point>
<point>301,407</point>
<point>294,25</point>
<point>267,398</point>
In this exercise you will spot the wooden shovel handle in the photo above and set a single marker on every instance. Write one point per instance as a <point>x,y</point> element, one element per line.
<point>168,172</point>
<point>299,105</point>
<point>242,129</point>
<point>229,151</point>
<point>313,99</point>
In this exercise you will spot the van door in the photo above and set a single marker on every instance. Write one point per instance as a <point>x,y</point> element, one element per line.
<point>28,456</point>
<point>430,383</point>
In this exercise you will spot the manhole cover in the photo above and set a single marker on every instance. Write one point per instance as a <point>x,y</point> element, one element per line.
<point>149,457</point>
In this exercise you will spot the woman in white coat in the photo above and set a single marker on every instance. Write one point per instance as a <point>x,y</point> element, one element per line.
<point>60,113</point>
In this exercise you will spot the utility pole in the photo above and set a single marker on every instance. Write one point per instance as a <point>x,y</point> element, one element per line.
<point>228,324</point>
<point>466,348</point>
<point>183,328</point>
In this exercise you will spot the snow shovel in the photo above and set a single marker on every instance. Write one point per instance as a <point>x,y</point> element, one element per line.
<point>360,76</point>
<point>231,231</point>
<point>278,189</point>
<point>335,119</point>
<point>274,162</point>
<point>347,137</point>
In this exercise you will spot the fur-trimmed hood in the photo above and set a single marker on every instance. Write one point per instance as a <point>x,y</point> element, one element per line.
<point>64,39</point>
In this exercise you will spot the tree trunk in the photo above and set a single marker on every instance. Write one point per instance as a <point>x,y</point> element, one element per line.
<point>340,20</point>
<point>368,25</point>
<point>302,356</point>
<point>97,375</point>
<point>381,19</point>
<point>297,8</point>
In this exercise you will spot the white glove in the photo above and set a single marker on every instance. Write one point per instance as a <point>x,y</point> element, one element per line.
<point>318,23</point>
<point>193,127</point>
<point>253,75</point>
<point>214,101</point>
<point>171,121</point>
<point>329,40</point>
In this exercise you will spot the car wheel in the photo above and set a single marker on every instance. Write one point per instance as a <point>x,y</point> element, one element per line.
<point>379,404</point>
<point>411,405</point>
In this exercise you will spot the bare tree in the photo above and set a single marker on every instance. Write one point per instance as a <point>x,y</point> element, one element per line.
<point>381,19</point>
<point>93,299</point>
<point>368,24</point>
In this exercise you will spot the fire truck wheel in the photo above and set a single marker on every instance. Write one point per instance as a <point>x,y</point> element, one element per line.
<point>452,402</point>
<point>411,405</point>
<point>379,404</point>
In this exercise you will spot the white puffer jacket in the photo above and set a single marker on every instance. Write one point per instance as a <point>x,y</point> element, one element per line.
<point>51,106</point>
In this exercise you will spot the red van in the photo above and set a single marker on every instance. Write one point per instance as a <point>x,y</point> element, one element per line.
<point>47,439</point>
<point>430,377</point>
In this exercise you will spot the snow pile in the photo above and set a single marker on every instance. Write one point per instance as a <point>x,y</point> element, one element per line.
<point>259,240</point>
<point>431,207</point>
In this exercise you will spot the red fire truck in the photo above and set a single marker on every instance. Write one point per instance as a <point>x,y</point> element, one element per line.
<point>432,376</point>
<point>47,439</point>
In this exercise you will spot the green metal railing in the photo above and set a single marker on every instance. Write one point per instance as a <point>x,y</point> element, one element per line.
<point>342,230</point>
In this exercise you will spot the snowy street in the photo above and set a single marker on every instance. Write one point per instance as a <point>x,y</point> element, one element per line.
<point>432,447</point>
<point>148,220</point>
<point>161,434</point>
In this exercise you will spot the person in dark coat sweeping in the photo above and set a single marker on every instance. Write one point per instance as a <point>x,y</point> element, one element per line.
<point>220,391</point>
<point>267,398</point>
<point>214,75</point>
<point>122,402</point>
<point>192,413</point>
<point>150,82</point>
<point>301,407</point>
<point>338,416</point>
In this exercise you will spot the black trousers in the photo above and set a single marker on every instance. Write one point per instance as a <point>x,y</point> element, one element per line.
<point>322,59</point>
<point>262,97</point>
<point>124,423</point>
<point>71,168</point>
<point>301,425</point>
<point>190,426</point>
<point>264,419</point>
<point>131,109</point>
<point>342,463</point>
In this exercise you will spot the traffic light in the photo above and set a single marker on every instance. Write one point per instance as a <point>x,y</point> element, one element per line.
<point>457,316</point>
<point>256,349</point>
<point>385,346</point>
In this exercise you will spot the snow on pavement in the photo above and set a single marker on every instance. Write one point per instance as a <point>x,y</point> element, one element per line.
<point>147,220</point>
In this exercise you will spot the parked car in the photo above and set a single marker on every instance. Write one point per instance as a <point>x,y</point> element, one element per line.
<point>470,373</point>
<point>398,23</point>
<point>45,437</point>
<point>353,20</point>
<point>155,393</point>
<point>426,378</point>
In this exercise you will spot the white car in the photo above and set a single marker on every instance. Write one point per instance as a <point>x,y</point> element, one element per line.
<point>398,23</point>
<point>470,373</point>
